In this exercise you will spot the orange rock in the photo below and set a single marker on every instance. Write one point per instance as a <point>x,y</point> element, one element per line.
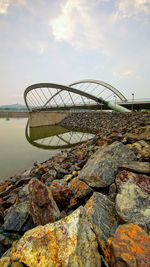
<point>43,208</point>
<point>67,242</point>
<point>130,246</point>
<point>80,190</point>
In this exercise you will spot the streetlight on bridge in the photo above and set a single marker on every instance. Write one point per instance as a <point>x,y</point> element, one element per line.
<point>132,101</point>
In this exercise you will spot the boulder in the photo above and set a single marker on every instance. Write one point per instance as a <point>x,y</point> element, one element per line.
<point>43,207</point>
<point>80,191</point>
<point>4,262</point>
<point>143,181</point>
<point>102,214</point>
<point>133,204</point>
<point>17,217</point>
<point>130,246</point>
<point>61,193</point>
<point>68,242</point>
<point>136,166</point>
<point>101,168</point>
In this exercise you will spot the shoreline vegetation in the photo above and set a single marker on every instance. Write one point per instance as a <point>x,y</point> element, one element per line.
<point>86,206</point>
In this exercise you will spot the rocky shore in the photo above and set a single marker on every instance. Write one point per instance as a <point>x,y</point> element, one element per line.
<point>87,206</point>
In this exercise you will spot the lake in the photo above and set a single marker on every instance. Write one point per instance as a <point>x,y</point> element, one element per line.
<point>21,146</point>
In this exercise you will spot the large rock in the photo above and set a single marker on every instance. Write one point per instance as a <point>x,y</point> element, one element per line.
<point>101,168</point>
<point>102,214</point>
<point>61,193</point>
<point>143,181</point>
<point>130,246</point>
<point>68,242</point>
<point>136,166</point>
<point>17,217</point>
<point>133,204</point>
<point>43,208</point>
<point>80,191</point>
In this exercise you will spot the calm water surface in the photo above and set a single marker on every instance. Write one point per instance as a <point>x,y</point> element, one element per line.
<point>16,153</point>
<point>21,146</point>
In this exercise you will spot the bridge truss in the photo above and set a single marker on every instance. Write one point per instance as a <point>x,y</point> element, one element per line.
<point>85,94</point>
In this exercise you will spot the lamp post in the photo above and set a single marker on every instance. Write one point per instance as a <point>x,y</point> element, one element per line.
<point>115,99</point>
<point>132,100</point>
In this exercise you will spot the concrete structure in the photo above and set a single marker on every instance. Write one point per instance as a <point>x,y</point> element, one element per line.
<point>46,118</point>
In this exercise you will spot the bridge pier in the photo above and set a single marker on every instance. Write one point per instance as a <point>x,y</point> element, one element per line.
<point>37,119</point>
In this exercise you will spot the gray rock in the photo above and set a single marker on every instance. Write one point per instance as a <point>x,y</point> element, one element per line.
<point>15,219</point>
<point>136,166</point>
<point>101,168</point>
<point>133,204</point>
<point>102,214</point>
<point>23,193</point>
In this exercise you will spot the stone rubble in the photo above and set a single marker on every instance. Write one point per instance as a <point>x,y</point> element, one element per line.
<point>86,206</point>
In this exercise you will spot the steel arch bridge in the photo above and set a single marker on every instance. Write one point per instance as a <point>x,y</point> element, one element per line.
<point>84,94</point>
<point>62,138</point>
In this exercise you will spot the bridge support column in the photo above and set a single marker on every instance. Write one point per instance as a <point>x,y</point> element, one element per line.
<point>37,119</point>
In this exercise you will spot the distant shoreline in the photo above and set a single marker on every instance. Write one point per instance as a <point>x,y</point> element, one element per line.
<point>14,114</point>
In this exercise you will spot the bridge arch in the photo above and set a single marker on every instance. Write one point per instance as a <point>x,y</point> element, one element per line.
<point>50,96</point>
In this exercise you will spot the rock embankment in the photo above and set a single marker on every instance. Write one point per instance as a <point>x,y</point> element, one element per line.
<point>105,122</point>
<point>87,206</point>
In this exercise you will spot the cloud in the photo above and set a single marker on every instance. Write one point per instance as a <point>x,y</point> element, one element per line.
<point>123,75</point>
<point>137,9</point>
<point>5,4</point>
<point>78,25</point>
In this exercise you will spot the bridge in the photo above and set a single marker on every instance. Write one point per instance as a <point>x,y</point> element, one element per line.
<point>82,95</point>
<point>55,137</point>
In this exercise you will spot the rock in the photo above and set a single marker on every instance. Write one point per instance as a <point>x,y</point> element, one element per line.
<point>11,200</point>
<point>136,166</point>
<point>5,262</point>
<point>80,191</point>
<point>133,204</point>
<point>143,181</point>
<point>3,249</point>
<point>61,193</point>
<point>43,208</point>
<point>16,218</point>
<point>68,242</point>
<point>17,264</point>
<point>102,214</point>
<point>38,175</point>
<point>26,173</point>
<point>6,240</point>
<point>49,177</point>
<point>101,168</point>
<point>141,149</point>
<point>142,133</point>
<point>22,181</point>
<point>7,191</point>
<point>29,224</point>
<point>130,246</point>
<point>61,173</point>
<point>23,193</point>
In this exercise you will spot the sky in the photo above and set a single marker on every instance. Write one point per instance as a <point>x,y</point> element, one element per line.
<point>63,41</point>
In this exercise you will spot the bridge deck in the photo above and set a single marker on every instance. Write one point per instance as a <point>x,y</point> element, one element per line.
<point>136,105</point>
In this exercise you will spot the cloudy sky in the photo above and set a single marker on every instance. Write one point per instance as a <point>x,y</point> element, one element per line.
<point>63,41</point>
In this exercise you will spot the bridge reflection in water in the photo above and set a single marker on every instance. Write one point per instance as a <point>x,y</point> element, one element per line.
<point>55,137</point>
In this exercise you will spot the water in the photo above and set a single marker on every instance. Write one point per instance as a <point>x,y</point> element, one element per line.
<point>21,146</point>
